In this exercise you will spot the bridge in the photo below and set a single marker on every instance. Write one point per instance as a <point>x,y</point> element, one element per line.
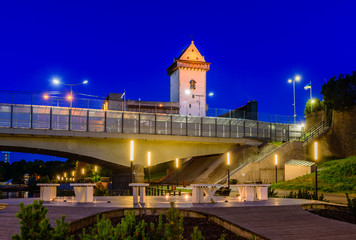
<point>92,135</point>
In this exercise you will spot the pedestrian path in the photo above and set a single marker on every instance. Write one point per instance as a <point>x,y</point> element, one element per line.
<point>274,218</point>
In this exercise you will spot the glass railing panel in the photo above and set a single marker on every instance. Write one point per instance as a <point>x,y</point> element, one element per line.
<point>194,126</point>
<point>41,117</point>
<point>96,121</point>
<point>223,127</point>
<point>78,120</point>
<point>208,127</point>
<point>113,121</point>
<point>179,125</point>
<point>131,122</point>
<point>5,115</point>
<point>163,124</point>
<point>60,118</point>
<point>21,117</point>
<point>147,123</point>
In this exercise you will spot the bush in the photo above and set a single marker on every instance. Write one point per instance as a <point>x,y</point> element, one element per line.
<point>35,225</point>
<point>304,194</point>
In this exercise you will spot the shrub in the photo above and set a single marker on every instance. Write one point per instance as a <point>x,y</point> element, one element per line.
<point>35,225</point>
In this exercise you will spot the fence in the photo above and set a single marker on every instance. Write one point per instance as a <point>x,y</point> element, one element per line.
<point>94,120</point>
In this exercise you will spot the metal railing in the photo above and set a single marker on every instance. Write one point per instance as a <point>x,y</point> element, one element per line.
<point>94,120</point>
<point>315,131</point>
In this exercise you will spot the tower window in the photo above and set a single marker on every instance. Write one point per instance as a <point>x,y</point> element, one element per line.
<point>192,84</point>
<point>190,105</point>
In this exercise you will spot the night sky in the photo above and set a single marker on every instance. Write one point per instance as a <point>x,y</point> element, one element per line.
<point>253,47</point>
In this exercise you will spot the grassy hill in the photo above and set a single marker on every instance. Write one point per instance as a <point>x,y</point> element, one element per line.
<point>334,176</point>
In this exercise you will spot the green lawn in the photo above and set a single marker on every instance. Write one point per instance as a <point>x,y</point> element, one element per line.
<point>334,176</point>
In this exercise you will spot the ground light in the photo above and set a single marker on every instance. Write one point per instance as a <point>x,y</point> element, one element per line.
<point>275,163</point>
<point>228,170</point>
<point>316,168</point>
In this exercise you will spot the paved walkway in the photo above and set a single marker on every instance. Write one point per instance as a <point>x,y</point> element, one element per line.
<point>274,218</point>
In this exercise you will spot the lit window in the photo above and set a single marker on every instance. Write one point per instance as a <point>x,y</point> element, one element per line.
<point>192,84</point>
<point>190,105</point>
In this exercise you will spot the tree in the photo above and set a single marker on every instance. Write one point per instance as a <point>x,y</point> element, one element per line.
<point>340,94</point>
<point>316,104</point>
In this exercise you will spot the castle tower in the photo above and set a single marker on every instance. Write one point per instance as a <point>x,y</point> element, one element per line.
<point>188,82</point>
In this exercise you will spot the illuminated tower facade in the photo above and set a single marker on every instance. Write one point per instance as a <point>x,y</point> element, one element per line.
<point>188,82</point>
<point>5,156</point>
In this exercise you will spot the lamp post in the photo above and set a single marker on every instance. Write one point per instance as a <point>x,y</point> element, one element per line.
<point>95,170</point>
<point>149,166</point>
<point>71,85</point>
<point>316,168</point>
<point>177,166</point>
<point>296,79</point>
<point>131,159</point>
<point>275,163</point>
<point>228,170</point>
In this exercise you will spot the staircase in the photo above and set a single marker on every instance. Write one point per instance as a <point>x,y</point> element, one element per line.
<point>316,131</point>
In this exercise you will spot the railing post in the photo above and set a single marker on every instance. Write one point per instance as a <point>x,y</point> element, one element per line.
<point>216,127</point>
<point>229,128</point>
<point>171,124</point>
<point>201,127</point>
<point>122,123</point>
<point>270,131</point>
<point>105,121</point>
<point>275,132</point>
<point>31,115</point>
<point>50,118</point>
<point>244,128</point>
<point>11,116</point>
<point>139,123</point>
<point>155,124</point>
<point>186,125</point>
<point>88,117</point>
<point>257,129</point>
<point>288,134</point>
<point>69,119</point>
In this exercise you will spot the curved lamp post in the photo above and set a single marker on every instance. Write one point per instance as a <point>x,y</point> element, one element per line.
<point>56,81</point>
<point>296,79</point>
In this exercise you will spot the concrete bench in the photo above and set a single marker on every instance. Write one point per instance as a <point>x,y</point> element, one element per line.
<point>248,191</point>
<point>83,192</point>
<point>48,191</point>
<point>139,188</point>
<point>198,191</point>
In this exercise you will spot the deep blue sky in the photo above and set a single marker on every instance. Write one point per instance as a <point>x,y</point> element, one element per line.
<point>254,47</point>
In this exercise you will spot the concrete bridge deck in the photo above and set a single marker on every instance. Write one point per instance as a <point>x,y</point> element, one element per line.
<point>276,218</point>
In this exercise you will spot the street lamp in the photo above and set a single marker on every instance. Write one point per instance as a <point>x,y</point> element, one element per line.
<point>149,166</point>
<point>177,166</point>
<point>56,81</point>
<point>316,168</point>
<point>228,170</point>
<point>275,163</point>
<point>296,79</point>
<point>131,159</point>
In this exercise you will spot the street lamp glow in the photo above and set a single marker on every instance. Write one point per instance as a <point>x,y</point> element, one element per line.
<point>85,81</point>
<point>69,97</point>
<point>56,81</point>
<point>211,94</point>
<point>315,151</point>
<point>46,96</point>
<point>65,174</point>
<point>95,168</point>
<point>131,150</point>
<point>290,80</point>
<point>275,159</point>
<point>297,78</point>
<point>228,159</point>
<point>177,163</point>
<point>312,101</point>
<point>83,171</point>
<point>187,91</point>
<point>73,173</point>
<point>149,158</point>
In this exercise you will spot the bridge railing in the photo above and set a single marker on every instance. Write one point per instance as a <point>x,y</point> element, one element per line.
<point>93,120</point>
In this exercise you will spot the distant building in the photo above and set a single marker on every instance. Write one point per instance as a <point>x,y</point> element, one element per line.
<point>188,82</point>
<point>248,111</point>
<point>5,156</point>
<point>115,101</point>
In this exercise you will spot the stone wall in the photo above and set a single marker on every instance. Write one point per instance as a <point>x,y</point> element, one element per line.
<point>314,118</point>
<point>340,141</point>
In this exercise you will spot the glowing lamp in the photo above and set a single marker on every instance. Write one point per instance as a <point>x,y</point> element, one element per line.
<point>315,151</point>
<point>95,168</point>
<point>149,158</point>
<point>290,80</point>
<point>131,150</point>
<point>228,159</point>
<point>46,96</point>
<point>56,81</point>
<point>177,163</point>
<point>275,159</point>
<point>297,78</point>
<point>83,171</point>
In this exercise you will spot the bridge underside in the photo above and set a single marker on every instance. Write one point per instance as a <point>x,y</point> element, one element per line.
<point>111,149</point>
